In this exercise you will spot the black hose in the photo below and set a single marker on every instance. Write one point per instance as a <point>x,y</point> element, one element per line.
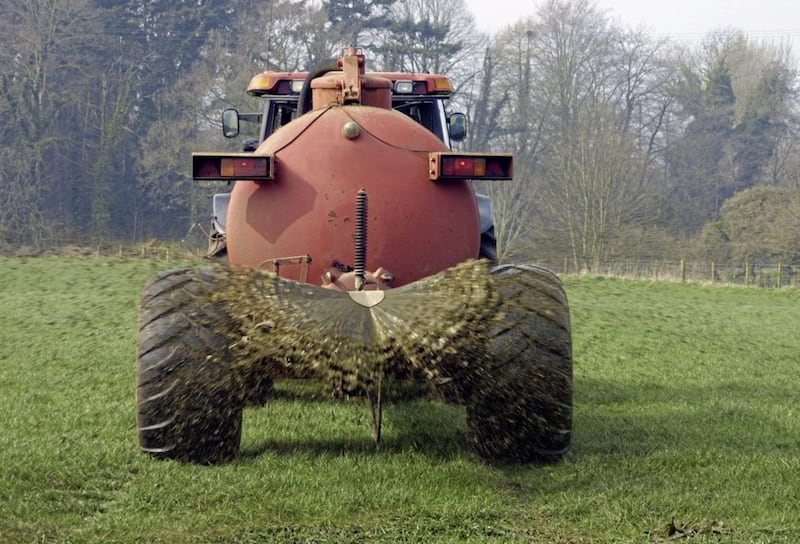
<point>331,65</point>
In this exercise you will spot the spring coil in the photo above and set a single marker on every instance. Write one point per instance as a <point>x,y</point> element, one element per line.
<point>360,261</point>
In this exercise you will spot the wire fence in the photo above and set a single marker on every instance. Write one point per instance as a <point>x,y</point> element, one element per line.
<point>754,274</point>
<point>769,275</point>
<point>158,251</point>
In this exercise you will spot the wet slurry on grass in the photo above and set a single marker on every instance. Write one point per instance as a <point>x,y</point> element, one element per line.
<point>686,428</point>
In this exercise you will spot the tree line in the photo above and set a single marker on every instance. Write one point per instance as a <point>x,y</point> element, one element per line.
<point>625,145</point>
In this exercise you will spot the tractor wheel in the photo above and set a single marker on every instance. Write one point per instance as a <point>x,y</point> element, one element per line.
<point>519,407</point>
<point>188,401</point>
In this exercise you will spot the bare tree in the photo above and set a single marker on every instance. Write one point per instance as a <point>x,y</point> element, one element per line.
<point>591,188</point>
<point>433,36</point>
<point>507,120</point>
<point>45,59</point>
<point>583,107</point>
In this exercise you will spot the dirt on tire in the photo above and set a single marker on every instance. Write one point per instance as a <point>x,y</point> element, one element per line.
<point>189,404</point>
<point>519,407</point>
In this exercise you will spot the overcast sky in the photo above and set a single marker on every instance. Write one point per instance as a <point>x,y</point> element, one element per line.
<point>683,20</point>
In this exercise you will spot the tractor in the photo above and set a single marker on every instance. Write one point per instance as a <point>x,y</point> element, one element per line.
<point>355,249</point>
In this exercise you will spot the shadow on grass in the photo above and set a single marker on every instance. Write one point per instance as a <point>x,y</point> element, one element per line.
<point>611,418</point>
<point>315,390</point>
<point>440,447</point>
<point>414,421</point>
<point>614,418</point>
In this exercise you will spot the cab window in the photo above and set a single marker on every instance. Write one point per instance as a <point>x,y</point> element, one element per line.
<point>423,112</point>
<point>280,113</point>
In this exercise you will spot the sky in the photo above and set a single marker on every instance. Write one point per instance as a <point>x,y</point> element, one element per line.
<point>681,20</point>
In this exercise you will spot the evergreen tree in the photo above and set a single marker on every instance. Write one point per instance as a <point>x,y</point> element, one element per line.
<point>352,19</point>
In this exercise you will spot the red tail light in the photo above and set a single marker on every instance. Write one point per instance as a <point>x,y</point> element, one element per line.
<point>231,166</point>
<point>445,166</point>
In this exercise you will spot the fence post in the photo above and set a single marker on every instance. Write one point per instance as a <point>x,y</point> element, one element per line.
<point>683,270</point>
<point>746,272</point>
<point>780,273</point>
<point>713,272</point>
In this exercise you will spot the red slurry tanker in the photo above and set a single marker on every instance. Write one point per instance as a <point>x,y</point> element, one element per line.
<point>352,191</point>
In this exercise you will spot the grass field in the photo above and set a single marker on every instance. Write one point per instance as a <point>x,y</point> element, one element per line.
<point>687,426</point>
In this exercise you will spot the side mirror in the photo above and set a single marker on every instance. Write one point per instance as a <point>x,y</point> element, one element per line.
<point>230,123</point>
<point>457,125</point>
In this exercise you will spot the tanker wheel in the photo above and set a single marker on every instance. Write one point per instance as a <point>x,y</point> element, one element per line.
<point>519,407</point>
<point>188,402</point>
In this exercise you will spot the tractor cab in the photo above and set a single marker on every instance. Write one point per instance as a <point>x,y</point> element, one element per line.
<point>422,97</point>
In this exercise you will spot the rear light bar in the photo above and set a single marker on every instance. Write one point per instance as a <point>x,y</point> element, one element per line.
<point>447,166</point>
<point>439,84</point>
<point>231,166</point>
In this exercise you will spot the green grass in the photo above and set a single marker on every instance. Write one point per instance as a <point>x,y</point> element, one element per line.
<point>686,414</point>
